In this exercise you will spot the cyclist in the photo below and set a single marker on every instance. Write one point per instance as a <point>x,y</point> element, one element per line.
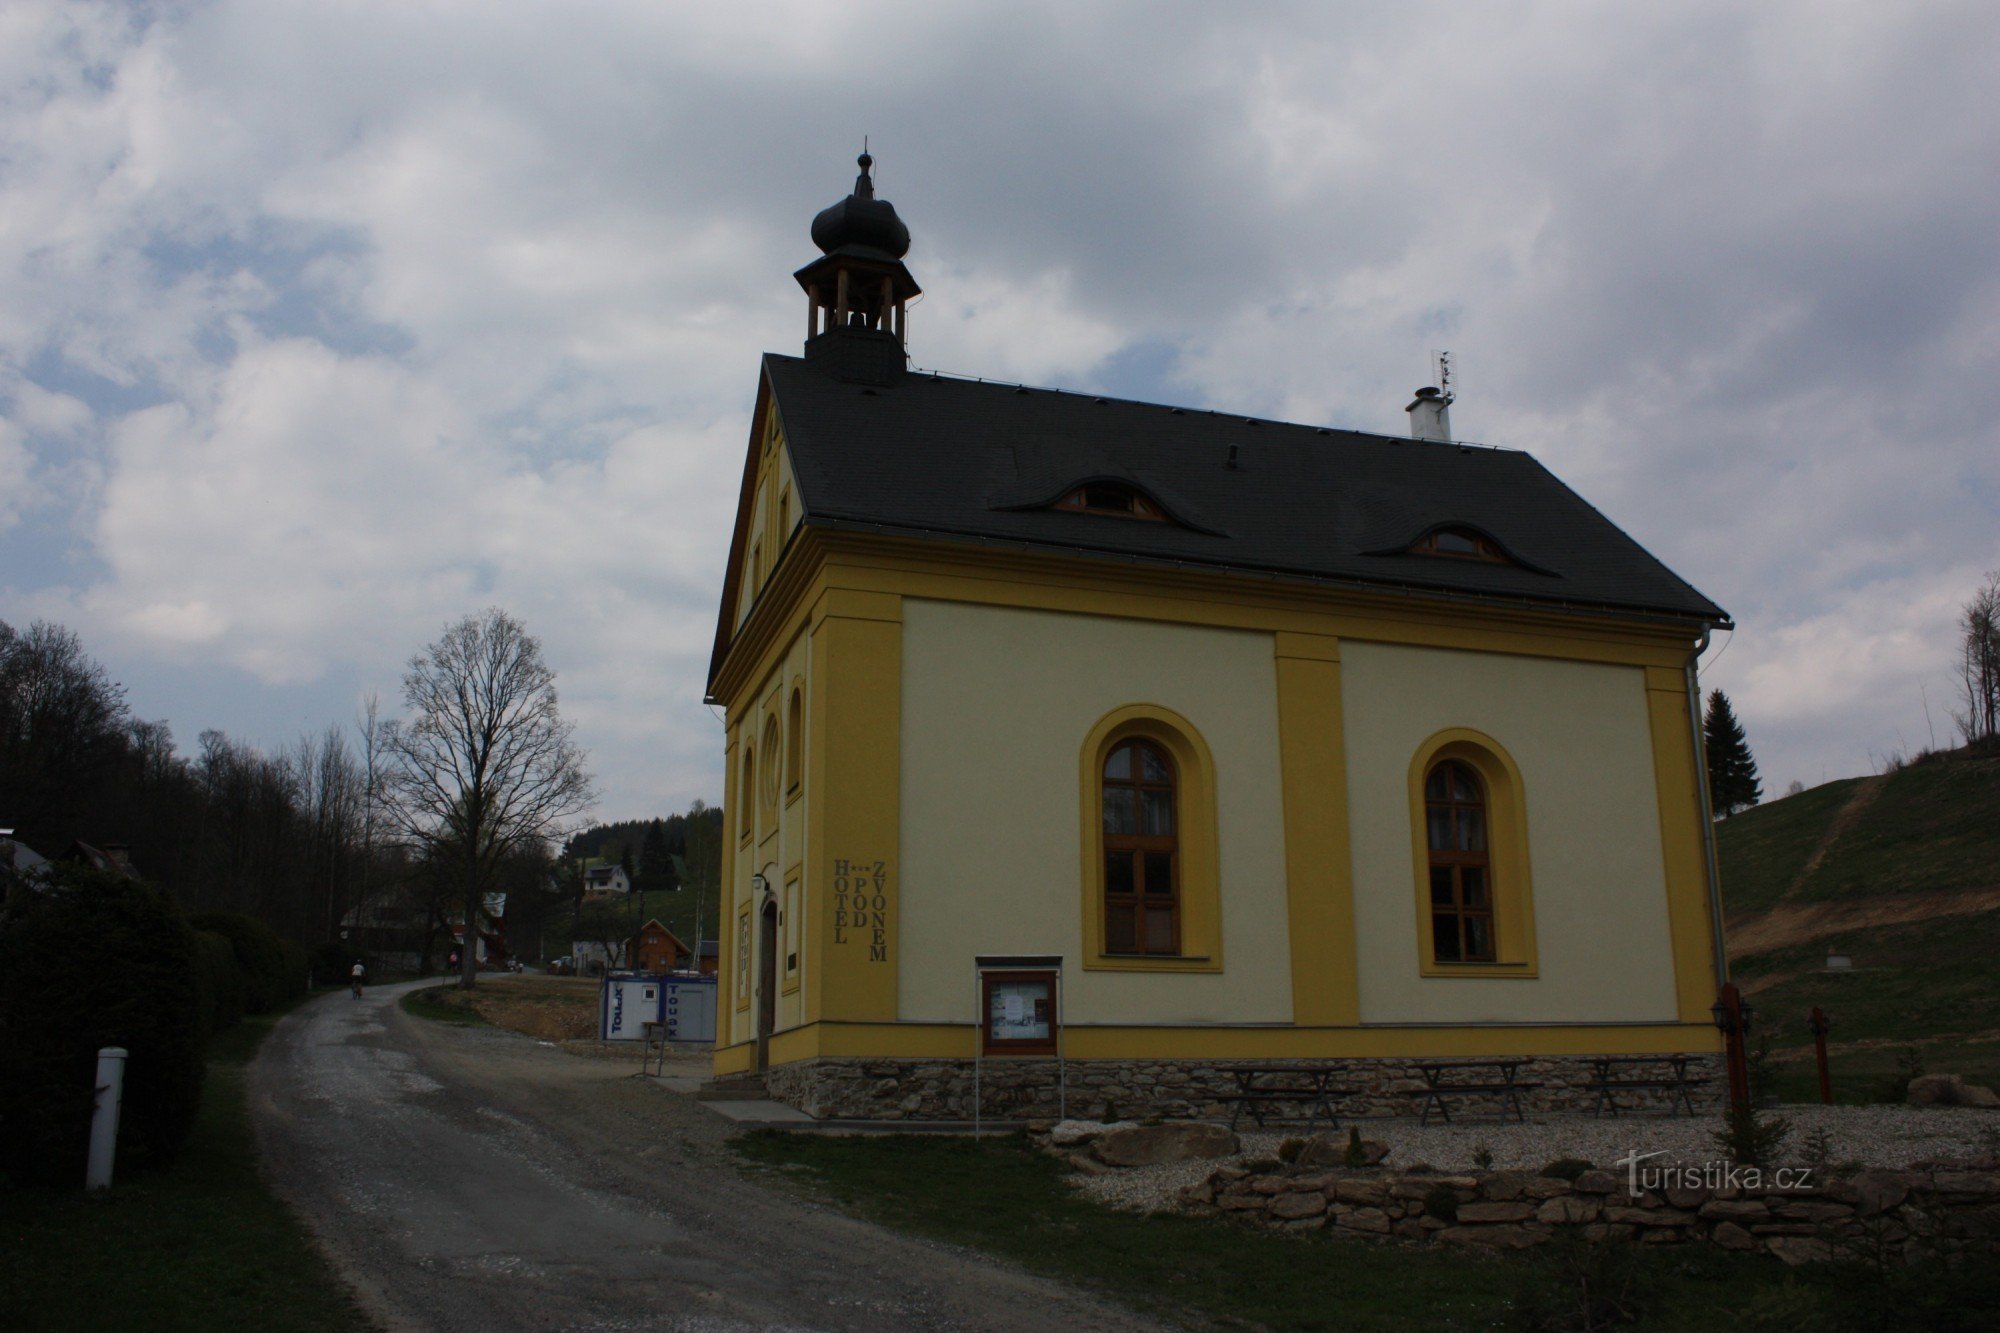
<point>355,976</point>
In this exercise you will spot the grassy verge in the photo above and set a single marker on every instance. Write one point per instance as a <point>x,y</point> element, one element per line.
<point>199,1245</point>
<point>441,1004</point>
<point>1002,1197</point>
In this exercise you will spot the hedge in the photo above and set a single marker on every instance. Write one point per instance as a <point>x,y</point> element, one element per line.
<point>221,981</point>
<point>269,976</point>
<point>90,959</point>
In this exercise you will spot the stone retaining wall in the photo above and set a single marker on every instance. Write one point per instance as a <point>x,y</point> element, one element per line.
<point>1025,1089</point>
<point>1874,1214</point>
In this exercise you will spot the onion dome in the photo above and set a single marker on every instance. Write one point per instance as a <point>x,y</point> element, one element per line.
<point>861,222</point>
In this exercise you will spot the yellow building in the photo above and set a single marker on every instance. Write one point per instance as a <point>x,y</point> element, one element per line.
<point>1089,747</point>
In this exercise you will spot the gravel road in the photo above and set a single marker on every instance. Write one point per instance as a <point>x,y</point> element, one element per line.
<point>471,1178</point>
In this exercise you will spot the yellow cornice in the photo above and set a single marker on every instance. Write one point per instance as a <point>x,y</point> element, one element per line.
<point>818,558</point>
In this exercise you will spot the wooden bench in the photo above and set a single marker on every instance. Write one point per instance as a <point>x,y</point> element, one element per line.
<point>1611,1074</point>
<point>1305,1085</point>
<point>1472,1078</point>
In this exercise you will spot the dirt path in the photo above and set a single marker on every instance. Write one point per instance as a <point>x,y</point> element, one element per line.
<point>469,1178</point>
<point>1789,924</point>
<point>1857,805</point>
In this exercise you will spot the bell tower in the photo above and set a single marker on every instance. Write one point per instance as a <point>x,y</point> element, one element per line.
<point>858,289</point>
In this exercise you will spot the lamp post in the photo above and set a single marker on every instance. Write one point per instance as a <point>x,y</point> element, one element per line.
<point>1732,1019</point>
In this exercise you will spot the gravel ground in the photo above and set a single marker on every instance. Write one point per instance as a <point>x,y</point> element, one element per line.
<point>1885,1136</point>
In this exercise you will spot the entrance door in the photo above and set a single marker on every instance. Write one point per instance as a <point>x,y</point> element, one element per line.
<point>767,983</point>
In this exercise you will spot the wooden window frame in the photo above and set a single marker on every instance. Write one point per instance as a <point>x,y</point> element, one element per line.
<point>988,1043</point>
<point>1198,884</point>
<point>1140,904</point>
<point>1132,503</point>
<point>1459,864</point>
<point>1510,884</point>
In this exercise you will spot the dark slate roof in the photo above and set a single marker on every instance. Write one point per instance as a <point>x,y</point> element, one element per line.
<point>963,460</point>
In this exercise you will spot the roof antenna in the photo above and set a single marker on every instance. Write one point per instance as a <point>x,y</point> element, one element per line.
<point>1441,368</point>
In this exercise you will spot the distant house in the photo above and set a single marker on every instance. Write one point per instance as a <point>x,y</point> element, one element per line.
<point>605,877</point>
<point>112,858</point>
<point>710,951</point>
<point>658,949</point>
<point>18,861</point>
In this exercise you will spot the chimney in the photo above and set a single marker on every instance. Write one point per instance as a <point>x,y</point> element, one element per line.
<point>1430,415</point>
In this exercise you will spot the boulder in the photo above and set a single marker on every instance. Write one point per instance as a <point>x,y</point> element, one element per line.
<point>1950,1090</point>
<point>1292,1207</point>
<point>1475,1213</point>
<point>1150,1145</point>
<point>1069,1133</point>
<point>1363,1219</point>
<point>1598,1182</point>
<point>1878,1191</point>
<point>1732,1237</point>
<point>1796,1250</point>
<point>1569,1210</point>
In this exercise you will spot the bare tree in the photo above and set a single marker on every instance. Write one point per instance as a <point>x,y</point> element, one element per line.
<point>1979,663</point>
<point>484,767</point>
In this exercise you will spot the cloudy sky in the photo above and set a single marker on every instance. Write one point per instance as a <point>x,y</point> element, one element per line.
<point>324,324</point>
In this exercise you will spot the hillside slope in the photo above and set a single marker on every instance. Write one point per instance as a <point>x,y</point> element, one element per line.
<point>1902,873</point>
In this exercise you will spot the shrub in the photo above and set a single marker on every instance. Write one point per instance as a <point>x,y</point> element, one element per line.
<point>93,960</point>
<point>1292,1149</point>
<point>1356,1156</point>
<point>259,952</point>
<point>1566,1168</point>
<point>1751,1139</point>
<point>297,963</point>
<point>1909,1068</point>
<point>1573,1286</point>
<point>221,981</point>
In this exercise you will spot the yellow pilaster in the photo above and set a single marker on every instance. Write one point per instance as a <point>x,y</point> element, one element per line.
<point>853,777</point>
<point>1681,835</point>
<point>1318,870</point>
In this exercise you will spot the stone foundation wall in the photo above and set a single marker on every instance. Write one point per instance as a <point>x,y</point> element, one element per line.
<point>1874,1215</point>
<point>1026,1089</point>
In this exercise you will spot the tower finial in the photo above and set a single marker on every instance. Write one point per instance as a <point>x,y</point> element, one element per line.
<point>864,184</point>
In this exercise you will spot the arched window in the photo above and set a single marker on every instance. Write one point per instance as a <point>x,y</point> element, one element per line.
<point>1469,840</point>
<point>769,758</point>
<point>1141,850</point>
<point>1460,544</point>
<point>1109,497</point>
<point>795,730</point>
<point>1461,872</point>
<point>1151,884</point>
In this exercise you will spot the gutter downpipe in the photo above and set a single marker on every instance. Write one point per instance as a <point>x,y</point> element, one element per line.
<point>1707,805</point>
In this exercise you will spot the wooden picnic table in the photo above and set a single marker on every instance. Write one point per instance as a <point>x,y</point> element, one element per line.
<point>1610,1074</point>
<point>1472,1078</point>
<point>1306,1085</point>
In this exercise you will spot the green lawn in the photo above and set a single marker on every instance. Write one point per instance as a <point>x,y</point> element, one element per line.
<point>1002,1197</point>
<point>435,1003</point>
<point>198,1245</point>
<point>1761,851</point>
<point>1932,830</point>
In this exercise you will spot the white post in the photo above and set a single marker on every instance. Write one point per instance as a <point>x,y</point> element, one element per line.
<point>104,1120</point>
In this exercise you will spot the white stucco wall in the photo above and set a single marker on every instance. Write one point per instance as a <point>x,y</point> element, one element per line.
<point>997,704</point>
<point>1580,735</point>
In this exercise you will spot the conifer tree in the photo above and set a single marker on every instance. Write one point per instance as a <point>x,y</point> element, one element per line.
<point>1732,773</point>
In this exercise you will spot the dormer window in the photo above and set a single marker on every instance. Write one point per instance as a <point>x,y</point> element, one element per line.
<point>1100,497</point>
<point>1460,544</point>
